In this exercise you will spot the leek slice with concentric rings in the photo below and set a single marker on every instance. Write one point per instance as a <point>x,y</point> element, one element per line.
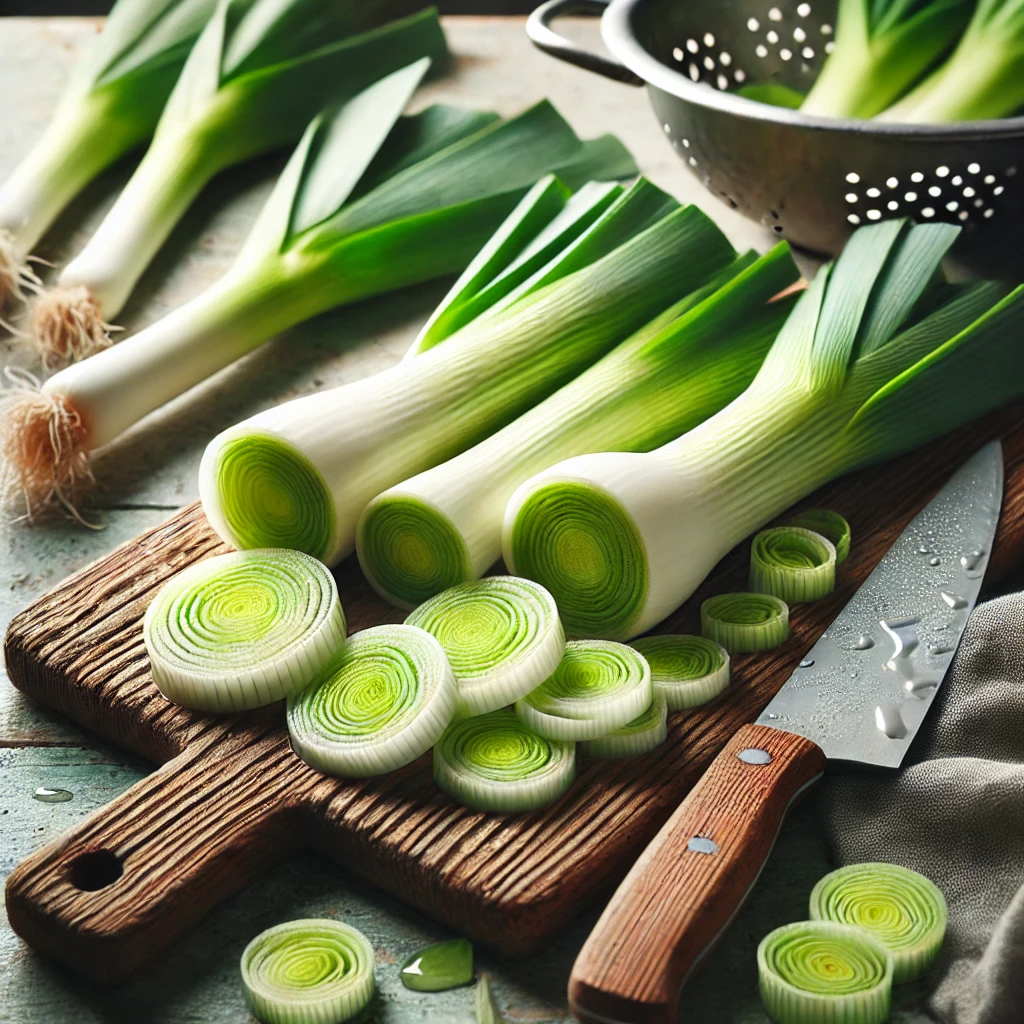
<point>315,971</point>
<point>820,972</point>
<point>243,629</point>
<point>379,704</point>
<point>745,622</point>
<point>502,636</point>
<point>645,733</point>
<point>495,762</point>
<point>795,564</point>
<point>901,908</point>
<point>686,670</point>
<point>831,525</point>
<point>598,687</point>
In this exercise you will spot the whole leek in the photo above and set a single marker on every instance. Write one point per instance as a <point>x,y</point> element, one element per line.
<point>862,371</point>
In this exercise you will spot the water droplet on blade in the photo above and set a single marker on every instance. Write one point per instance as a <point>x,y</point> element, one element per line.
<point>970,562</point>
<point>920,688</point>
<point>890,721</point>
<point>954,600</point>
<point>924,549</point>
<point>935,561</point>
<point>45,795</point>
<point>935,649</point>
<point>864,642</point>
<point>807,663</point>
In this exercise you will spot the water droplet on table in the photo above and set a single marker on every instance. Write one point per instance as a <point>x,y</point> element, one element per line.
<point>45,795</point>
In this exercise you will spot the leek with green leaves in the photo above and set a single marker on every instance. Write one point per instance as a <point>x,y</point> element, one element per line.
<point>260,71</point>
<point>369,202</point>
<point>872,362</point>
<point>883,48</point>
<point>110,105</point>
<point>443,526</point>
<point>303,472</point>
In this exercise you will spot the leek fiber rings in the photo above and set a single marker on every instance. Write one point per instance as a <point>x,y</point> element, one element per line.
<point>745,622</point>
<point>831,525</point>
<point>502,636</point>
<point>645,733</point>
<point>792,563</point>
<point>599,686</point>
<point>379,704</point>
<point>243,629</point>
<point>315,971</point>
<point>820,972</point>
<point>495,762</point>
<point>686,670</point>
<point>901,908</point>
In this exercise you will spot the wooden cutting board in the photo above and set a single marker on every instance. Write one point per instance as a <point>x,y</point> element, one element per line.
<point>231,799</point>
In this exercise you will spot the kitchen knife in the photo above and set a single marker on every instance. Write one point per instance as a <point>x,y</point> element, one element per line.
<point>858,697</point>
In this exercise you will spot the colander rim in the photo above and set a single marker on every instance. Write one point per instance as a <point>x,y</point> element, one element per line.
<point>617,33</point>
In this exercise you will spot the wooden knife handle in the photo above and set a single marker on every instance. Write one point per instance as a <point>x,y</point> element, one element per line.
<point>688,884</point>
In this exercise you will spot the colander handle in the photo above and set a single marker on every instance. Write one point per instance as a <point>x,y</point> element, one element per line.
<point>544,37</point>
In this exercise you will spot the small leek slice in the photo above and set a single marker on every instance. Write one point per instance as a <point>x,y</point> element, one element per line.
<point>440,967</point>
<point>745,622</point>
<point>686,670</point>
<point>795,564</point>
<point>496,762</point>
<point>243,629</point>
<point>483,1003</point>
<point>314,971</point>
<point>830,525</point>
<point>379,704</point>
<point>502,637</point>
<point>598,687</point>
<point>646,732</point>
<point>901,908</point>
<point>825,973</point>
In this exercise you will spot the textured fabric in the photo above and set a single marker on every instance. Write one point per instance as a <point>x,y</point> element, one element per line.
<point>955,813</point>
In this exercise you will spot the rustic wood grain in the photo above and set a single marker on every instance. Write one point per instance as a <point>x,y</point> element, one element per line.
<point>232,799</point>
<point>677,900</point>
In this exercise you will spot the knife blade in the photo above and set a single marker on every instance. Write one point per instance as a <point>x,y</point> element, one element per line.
<point>857,698</point>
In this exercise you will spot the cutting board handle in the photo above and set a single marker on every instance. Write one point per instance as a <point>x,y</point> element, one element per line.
<point>688,884</point>
<point>142,870</point>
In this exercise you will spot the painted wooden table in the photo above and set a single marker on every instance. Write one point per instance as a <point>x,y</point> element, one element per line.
<point>153,472</point>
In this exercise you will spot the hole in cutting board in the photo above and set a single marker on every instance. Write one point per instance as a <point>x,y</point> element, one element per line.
<point>96,870</point>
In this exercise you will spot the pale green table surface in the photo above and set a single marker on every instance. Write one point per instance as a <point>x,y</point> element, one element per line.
<point>153,472</point>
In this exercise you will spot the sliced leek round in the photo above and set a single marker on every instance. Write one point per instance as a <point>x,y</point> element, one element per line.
<point>645,733</point>
<point>745,622</point>
<point>686,670</point>
<point>795,564</point>
<point>831,525</point>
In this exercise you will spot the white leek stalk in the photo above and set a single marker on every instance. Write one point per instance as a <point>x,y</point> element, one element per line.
<point>642,735</point>
<point>256,76</point>
<point>862,371</point>
<point>443,526</point>
<point>243,629</point>
<point>686,671</point>
<point>483,1004</point>
<point>111,105</point>
<point>303,472</point>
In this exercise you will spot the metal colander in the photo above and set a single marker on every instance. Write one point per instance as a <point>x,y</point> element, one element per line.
<point>812,180</point>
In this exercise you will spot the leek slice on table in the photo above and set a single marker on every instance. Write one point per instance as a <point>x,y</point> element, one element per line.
<point>483,1004</point>
<point>110,105</point>
<point>795,564</point>
<point>645,733</point>
<point>825,973</point>
<point>315,971</point>
<point>502,637</point>
<point>831,525</point>
<point>745,622</point>
<point>686,670</point>
<point>901,908</point>
<point>598,687</point>
<point>368,202</point>
<point>440,967</point>
<point>495,762</point>
<point>303,472</point>
<point>443,526</point>
<point>243,629</point>
<point>882,48</point>
<point>258,73</point>
<point>858,374</point>
<point>380,703</point>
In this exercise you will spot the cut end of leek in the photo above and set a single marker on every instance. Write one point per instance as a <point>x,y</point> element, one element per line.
<point>17,278</point>
<point>495,762</point>
<point>243,629</point>
<point>315,971</point>
<point>44,442</point>
<point>902,909</point>
<point>599,686</point>
<point>745,622</point>
<point>831,525</point>
<point>379,704</point>
<point>792,563</point>
<point>826,973</point>
<point>583,546</point>
<point>686,670</point>
<point>67,326</point>
<point>259,491</point>
<point>502,636</point>
<point>645,733</point>
<point>410,550</point>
